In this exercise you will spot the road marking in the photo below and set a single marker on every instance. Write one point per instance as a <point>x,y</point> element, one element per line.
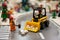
<point>55,24</point>
<point>41,35</point>
<point>5,38</point>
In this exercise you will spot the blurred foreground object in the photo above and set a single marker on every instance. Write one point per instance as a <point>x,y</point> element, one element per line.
<point>23,32</point>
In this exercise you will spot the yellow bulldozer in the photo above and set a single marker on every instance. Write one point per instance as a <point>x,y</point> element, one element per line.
<point>39,22</point>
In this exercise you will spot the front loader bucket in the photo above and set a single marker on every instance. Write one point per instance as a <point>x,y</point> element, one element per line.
<point>32,26</point>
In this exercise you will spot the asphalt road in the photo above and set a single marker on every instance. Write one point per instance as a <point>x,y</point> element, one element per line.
<point>47,34</point>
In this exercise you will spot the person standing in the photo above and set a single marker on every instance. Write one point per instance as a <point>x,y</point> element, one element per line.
<point>4,11</point>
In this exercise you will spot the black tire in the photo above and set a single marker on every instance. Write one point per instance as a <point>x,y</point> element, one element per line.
<point>46,23</point>
<point>42,26</point>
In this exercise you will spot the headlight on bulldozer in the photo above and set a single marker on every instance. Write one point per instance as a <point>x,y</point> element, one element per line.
<point>28,26</point>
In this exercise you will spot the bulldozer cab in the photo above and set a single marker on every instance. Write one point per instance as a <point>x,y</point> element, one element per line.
<point>38,13</point>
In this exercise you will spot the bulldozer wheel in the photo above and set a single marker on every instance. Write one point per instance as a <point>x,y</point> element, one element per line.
<point>41,26</point>
<point>46,23</point>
